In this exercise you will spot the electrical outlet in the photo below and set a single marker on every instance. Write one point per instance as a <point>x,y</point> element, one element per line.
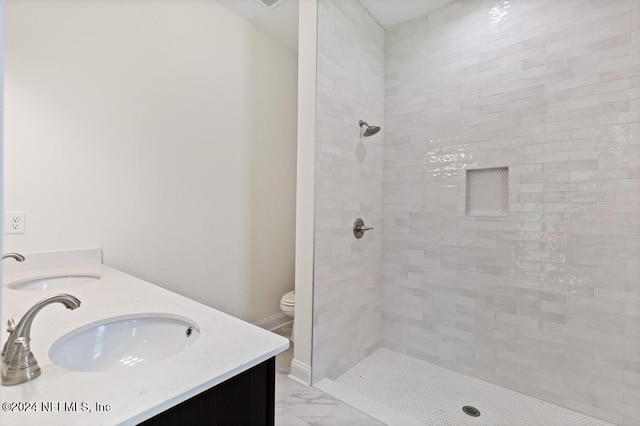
<point>14,223</point>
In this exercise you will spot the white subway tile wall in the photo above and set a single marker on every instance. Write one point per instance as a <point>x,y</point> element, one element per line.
<point>347,271</point>
<point>545,300</point>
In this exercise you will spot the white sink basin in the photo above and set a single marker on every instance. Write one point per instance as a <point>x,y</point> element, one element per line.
<point>124,342</point>
<point>53,282</point>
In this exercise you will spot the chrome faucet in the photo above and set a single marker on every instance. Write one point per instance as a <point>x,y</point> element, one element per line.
<point>16,256</point>
<point>18,363</point>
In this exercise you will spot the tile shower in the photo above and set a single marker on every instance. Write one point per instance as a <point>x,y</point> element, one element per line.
<point>537,289</point>
<point>351,82</point>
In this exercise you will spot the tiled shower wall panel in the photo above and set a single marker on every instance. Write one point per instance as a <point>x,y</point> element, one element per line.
<point>347,277</point>
<point>545,300</point>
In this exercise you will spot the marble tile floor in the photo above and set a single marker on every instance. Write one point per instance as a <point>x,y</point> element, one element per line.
<point>298,405</point>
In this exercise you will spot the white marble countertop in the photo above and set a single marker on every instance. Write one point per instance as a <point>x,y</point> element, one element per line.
<point>226,346</point>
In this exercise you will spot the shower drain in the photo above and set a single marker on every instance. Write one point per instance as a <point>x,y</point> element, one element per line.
<point>471,411</point>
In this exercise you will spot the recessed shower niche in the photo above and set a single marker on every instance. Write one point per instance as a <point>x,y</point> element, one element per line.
<point>487,192</point>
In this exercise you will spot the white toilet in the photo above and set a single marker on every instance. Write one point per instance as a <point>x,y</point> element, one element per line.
<point>288,307</point>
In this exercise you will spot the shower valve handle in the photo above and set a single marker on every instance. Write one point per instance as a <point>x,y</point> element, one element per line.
<point>359,228</point>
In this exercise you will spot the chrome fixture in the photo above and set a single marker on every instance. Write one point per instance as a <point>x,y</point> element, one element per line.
<point>18,363</point>
<point>359,229</point>
<point>16,256</point>
<point>471,411</point>
<point>370,130</point>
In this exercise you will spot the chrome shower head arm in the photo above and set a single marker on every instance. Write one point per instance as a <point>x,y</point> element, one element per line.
<point>369,130</point>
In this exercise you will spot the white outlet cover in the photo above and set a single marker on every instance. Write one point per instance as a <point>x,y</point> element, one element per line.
<point>14,222</point>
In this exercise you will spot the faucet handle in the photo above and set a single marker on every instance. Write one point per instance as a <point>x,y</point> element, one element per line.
<point>11,327</point>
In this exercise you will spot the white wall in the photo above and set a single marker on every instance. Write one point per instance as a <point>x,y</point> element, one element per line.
<point>305,200</point>
<point>162,131</point>
<point>1,135</point>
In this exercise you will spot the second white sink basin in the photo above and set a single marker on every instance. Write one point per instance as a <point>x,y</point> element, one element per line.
<point>124,342</point>
<point>53,282</point>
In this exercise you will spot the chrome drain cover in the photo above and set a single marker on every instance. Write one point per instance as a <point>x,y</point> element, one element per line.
<point>471,411</point>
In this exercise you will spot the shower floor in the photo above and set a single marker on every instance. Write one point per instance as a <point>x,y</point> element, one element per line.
<point>400,390</point>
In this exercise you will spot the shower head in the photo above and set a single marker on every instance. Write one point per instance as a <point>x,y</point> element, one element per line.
<point>370,130</point>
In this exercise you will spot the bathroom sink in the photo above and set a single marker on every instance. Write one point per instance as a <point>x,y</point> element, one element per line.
<point>124,342</point>
<point>53,282</point>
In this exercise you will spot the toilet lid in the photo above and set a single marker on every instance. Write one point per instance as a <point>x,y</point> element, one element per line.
<point>289,299</point>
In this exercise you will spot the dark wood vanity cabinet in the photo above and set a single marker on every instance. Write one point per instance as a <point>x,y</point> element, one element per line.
<point>247,399</point>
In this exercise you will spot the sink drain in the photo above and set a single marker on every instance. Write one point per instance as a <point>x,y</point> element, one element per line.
<point>471,411</point>
<point>189,331</point>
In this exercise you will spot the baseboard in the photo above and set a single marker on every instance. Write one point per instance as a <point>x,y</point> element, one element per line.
<point>300,373</point>
<point>274,322</point>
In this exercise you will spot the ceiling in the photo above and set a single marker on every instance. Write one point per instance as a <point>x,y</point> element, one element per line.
<point>282,21</point>
<point>390,13</point>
